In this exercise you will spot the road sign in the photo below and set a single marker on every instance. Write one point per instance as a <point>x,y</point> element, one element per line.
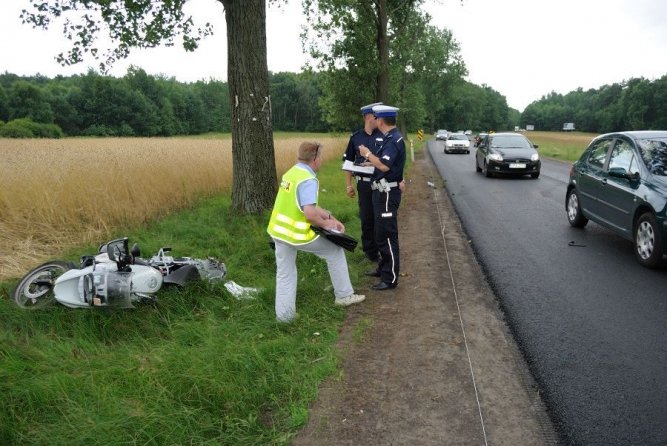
<point>420,134</point>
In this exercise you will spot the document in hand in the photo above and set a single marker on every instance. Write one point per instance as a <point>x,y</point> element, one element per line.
<point>350,166</point>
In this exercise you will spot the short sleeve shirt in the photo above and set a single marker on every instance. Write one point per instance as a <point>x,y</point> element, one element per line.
<point>392,154</point>
<point>306,193</point>
<point>372,141</point>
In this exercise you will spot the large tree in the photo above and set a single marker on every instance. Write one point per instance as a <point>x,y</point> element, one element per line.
<point>380,50</point>
<point>341,24</point>
<point>149,23</point>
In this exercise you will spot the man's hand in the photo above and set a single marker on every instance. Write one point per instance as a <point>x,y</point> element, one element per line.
<point>401,186</point>
<point>350,191</point>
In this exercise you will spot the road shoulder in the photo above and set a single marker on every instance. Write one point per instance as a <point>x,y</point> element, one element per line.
<point>435,362</point>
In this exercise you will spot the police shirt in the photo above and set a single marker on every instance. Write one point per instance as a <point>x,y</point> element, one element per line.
<point>358,138</point>
<point>392,154</point>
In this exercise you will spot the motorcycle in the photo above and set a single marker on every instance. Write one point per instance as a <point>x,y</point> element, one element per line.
<point>114,277</point>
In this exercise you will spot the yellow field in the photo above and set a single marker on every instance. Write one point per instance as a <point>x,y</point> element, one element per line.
<point>55,194</point>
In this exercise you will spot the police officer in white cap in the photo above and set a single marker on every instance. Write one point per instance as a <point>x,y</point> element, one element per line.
<point>389,162</point>
<point>368,136</point>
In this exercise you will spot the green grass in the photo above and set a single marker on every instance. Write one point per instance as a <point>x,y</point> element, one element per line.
<point>566,146</point>
<point>198,366</point>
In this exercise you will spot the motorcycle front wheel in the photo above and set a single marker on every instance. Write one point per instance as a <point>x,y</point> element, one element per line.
<point>36,288</point>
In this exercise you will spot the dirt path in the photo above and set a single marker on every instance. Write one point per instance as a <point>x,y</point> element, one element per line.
<point>435,363</point>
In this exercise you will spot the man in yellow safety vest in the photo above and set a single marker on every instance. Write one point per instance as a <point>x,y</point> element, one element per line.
<point>294,211</point>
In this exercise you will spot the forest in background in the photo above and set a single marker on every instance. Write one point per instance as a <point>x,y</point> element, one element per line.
<point>140,104</point>
<point>634,104</point>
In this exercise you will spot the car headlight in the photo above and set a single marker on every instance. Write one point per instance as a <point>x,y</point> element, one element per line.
<point>534,157</point>
<point>495,157</point>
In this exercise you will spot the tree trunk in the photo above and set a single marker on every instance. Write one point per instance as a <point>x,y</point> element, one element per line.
<point>382,85</point>
<point>254,180</point>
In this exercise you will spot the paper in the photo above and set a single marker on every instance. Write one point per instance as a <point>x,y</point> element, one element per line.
<point>350,166</point>
<point>241,292</point>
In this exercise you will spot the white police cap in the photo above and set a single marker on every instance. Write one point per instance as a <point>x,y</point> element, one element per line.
<point>385,111</point>
<point>366,109</point>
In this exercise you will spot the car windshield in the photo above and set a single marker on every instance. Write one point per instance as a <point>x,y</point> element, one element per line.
<point>654,154</point>
<point>458,137</point>
<point>510,142</point>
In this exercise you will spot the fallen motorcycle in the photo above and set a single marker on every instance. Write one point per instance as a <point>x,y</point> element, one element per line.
<point>114,277</point>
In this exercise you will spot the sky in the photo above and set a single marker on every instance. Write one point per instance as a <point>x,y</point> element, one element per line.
<point>524,49</point>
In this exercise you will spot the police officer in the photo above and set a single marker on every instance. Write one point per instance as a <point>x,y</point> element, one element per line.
<point>389,161</point>
<point>370,137</point>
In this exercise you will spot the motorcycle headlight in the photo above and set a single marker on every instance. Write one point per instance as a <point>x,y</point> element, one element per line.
<point>496,157</point>
<point>534,157</point>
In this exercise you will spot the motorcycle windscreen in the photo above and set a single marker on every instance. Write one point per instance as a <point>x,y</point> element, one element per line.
<point>113,289</point>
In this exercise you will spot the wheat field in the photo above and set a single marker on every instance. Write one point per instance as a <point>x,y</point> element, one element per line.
<point>60,193</point>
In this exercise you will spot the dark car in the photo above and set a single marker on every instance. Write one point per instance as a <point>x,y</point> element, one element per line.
<point>478,139</point>
<point>507,154</point>
<point>441,135</point>
<point>620,182</point>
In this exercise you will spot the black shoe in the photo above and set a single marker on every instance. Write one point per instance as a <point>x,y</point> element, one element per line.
<point>372,273</point>
<point>381,286</point>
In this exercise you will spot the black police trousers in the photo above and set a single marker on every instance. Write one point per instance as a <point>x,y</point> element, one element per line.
<point>385,208</point>
<point>367,217</point>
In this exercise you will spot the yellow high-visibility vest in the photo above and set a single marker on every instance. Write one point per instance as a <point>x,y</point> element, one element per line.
<point>288,222</point>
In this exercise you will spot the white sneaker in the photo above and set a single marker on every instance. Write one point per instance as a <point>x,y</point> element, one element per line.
<point>349,300</point>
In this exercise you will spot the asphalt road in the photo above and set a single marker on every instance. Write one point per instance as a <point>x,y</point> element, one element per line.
<point>589,319</point>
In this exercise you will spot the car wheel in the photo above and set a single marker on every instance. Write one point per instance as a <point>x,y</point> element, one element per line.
<point>477,168</point>
<point>573,208</point>
<point>648,241</point>
<point>467,151</point>
<point>535,175</point>
<point>485,170</point>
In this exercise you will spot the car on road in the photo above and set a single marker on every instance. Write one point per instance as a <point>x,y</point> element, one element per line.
<point>457,143</point>
<point>441,135</point>
<point>468,132</point>
<point>620,182</point>
<point>507,154</point>
<point>479,138</point>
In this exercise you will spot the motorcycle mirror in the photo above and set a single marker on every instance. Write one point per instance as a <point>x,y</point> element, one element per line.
<point>111,252</point>
<point>136,252</point>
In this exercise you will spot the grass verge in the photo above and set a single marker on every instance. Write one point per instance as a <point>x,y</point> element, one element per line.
<point>565,146</point>
<point>198,366</point>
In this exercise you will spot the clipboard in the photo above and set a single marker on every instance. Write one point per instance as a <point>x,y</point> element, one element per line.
<point>340,239</point>
<point>351,167</point>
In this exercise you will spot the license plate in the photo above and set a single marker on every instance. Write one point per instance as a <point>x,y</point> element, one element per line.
<point>517,165</point>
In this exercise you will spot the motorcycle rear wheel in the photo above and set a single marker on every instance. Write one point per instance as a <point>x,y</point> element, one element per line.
<point>35,290</point>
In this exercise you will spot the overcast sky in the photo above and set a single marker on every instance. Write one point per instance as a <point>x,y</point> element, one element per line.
<point>523,49</point>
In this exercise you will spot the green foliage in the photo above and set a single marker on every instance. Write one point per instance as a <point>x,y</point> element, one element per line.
<point>635,104</point>
<point>137,24</point>
<point>143,105</point>
<point>27,100</point>
<point>196,367</point>
<point>26,128</point>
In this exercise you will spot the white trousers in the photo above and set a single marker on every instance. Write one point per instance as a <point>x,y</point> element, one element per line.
<point>286,273</point>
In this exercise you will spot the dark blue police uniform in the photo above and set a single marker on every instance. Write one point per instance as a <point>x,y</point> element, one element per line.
<point>386,200</point>
<point>364,192</point>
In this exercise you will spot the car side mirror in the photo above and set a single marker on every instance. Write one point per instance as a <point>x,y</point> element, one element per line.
<point>620,172</point>
<point>535,146</point>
